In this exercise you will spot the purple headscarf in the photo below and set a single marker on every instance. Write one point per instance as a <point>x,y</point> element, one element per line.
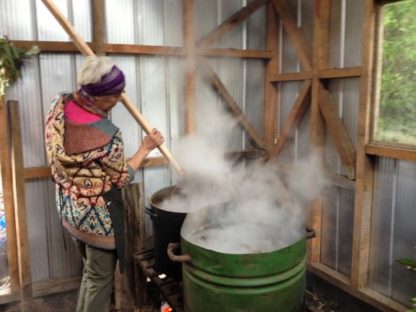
<point>112,83</point>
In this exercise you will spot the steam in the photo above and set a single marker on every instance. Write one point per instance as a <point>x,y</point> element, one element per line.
<point>239,208</point>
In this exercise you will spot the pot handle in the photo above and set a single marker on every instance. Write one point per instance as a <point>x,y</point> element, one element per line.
<point>310,233</point>
<point>150,212</point>
<point>175,258</point>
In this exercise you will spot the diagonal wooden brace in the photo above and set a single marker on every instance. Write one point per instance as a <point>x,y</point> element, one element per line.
<point>85,50</point>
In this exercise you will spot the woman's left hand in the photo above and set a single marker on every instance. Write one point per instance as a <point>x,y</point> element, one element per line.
<point>152,140</point>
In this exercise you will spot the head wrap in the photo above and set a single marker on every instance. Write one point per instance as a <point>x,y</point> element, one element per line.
<point>112,83</point>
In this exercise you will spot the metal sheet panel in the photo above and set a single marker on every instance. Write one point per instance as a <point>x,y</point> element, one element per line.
<point>233,38</point>
<point>381,230</point>
<point>353,32</point>
<point>82,18</point>
<point>48,28</point>
<point>17,19</point>
<point>205,17</point>
<point>254,96</point>
<point>173,23</point>
<point>256,29</point>
<point>336,34</point>
<point>403,281</point>
<point>150,22</point>
<point>116,11</point>
<point>393,229</point>
<point>37,230</point>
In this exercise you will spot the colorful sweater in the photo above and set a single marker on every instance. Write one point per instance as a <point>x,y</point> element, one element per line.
<point>86,160</point>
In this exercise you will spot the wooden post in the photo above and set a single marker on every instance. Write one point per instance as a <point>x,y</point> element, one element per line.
<point>6,176</point>
<point>190,71</point>
<point>365,167</point>
<point>320,61</point>
<point>23,256</point>
<point>85,49</point>
<point>98,27</point>
<point>272,68</point>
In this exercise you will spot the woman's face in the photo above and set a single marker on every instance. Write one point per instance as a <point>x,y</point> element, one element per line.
<point>107,102</point>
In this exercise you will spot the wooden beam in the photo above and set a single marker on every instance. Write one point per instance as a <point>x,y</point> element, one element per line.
<point>44,288</point>
<point>230,52</point>
<point>45,172</point>
<point>292,76</point>
<point>297,112</point>
<point>98,26</point>
<point>230,23</point>
<point>19,195</point>
<point>190,68</point>
<point>270,92</point>
<point>347,72</point>
<point>139,49</point>
<point>7,182</point>
<point>365,165</point>
<point>301,45</point>
<point>338,132</point>
<point>231,103</point>
<point>396,151</point>
<point>320,61</point>
<point>342,282</point>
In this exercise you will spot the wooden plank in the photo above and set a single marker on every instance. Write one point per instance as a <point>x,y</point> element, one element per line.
<point>140,49</point>
<point>19,195</point>
<point>230,23</point>
<point>231,103</point>
<point>297,112</point>
<point>348,72</point>
<point>392,151</point>
<point>7,182</point>
<point>301,45</point>
<point>341,281</point>
<point>292,76</point>
<point>45,172</point>
<point>190,69</point>
<point>338,132</point>
<point>98,26</point>
<point>230,52</point>
<point>143,49</point>
<point>272,67</point>
<point>43,288</point>
<point>320,61</point>
<point>365,165</point>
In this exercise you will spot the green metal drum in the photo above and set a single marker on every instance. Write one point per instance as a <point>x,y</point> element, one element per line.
<point>272,281</point>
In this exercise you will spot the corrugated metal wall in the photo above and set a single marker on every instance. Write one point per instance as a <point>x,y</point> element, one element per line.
<point>393,232</point>
<point>154,83</point>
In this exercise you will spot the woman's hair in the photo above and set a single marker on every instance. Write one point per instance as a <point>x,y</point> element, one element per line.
<point>93,69</point>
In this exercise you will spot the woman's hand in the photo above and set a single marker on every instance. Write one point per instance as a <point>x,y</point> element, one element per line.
<point>152,140</point>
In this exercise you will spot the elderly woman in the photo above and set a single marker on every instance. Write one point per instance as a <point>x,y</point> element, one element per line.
<point>86,154</point>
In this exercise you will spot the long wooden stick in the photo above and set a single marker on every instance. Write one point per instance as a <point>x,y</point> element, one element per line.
<point>86,50</point>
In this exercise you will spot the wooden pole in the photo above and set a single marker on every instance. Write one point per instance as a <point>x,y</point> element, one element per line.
<point>23,256</point>
<point>85,50</point>
<point>365,166</point>
<point>190,72</point>
<point>6,176</point>
<point>272,69</point>
<point>98,17</point>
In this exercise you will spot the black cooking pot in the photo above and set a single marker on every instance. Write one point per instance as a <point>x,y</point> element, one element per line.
<point>166,229</point>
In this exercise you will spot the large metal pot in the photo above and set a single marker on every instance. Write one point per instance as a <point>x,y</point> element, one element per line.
<point>166,229</point>
<point>272,280</point>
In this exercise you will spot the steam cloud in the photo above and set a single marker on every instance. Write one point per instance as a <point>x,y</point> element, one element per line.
<point>238,208</point>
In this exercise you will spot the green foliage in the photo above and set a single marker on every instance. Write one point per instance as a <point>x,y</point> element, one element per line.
<point>11,61</point>
<point>397,111</point>
<point>409,264</point>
